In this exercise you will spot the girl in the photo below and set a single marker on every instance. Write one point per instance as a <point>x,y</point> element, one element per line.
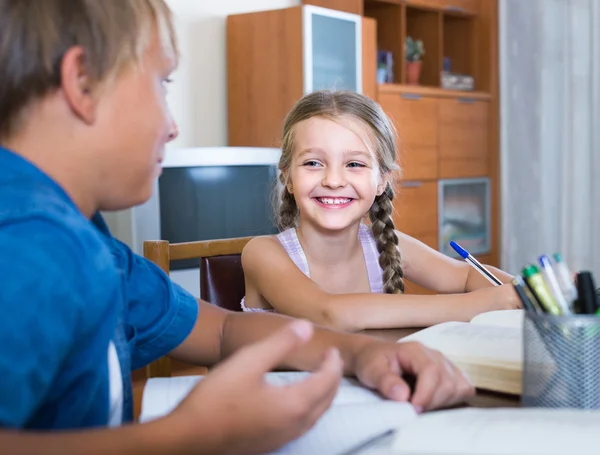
<point>338,154</point>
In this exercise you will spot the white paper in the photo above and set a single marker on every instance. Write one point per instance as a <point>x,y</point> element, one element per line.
<point>355,416</point>
<point>500,431</point>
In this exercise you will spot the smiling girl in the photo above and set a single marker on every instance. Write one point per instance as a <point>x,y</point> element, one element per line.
<point>327,264</point>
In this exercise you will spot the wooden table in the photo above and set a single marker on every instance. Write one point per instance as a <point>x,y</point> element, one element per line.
<point>483,398</point>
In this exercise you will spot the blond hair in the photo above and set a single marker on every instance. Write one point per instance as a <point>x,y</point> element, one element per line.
<point>335,105</point>
<point>36,34</point>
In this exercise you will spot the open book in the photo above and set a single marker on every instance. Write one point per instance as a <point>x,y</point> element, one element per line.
<point>489,349</point>
<point>356,416</point>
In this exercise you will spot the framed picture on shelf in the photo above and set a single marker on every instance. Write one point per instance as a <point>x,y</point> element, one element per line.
<point>464,215</point>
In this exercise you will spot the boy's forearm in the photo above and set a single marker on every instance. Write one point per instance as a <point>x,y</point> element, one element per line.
<point>241,329</point>
<point>163,436</point>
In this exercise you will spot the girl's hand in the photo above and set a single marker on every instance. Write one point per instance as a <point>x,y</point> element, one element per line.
<point>498,298</point>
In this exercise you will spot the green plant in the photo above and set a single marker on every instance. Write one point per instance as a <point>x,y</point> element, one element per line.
<point>414,49</point>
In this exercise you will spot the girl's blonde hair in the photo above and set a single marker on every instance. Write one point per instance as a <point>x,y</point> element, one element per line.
<point>335,105</point>
<point>36,34</point>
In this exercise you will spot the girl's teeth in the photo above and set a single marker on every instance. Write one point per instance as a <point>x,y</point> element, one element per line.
<point>334,201</point>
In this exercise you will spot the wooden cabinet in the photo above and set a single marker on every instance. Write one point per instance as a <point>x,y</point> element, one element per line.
<point>434,4</point>
<point>463,6</point>
<point>416,120</point>
<point>464,137</point>
<point>349,6</point>
<point>275,57</point>
<point>415,210</point>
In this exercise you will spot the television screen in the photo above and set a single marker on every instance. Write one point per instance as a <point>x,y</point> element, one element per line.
<point>215,202</point>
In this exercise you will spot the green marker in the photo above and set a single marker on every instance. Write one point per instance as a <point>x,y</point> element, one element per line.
<point>535,280</point>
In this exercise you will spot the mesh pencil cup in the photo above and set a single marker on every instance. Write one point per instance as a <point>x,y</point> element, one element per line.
<point>561,361</point>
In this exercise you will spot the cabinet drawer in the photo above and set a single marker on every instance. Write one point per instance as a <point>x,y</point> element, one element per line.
<point>467,6</point>
<point>416,210</point>
<point>464,138</point>
<point>416,119</point>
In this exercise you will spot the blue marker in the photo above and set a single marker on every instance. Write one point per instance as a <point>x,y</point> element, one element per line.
<point>475,263</point>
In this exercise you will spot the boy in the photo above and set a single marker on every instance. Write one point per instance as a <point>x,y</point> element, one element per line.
<point>83,128</point>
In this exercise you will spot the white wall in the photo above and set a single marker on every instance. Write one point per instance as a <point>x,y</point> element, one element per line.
<point>198,95</point>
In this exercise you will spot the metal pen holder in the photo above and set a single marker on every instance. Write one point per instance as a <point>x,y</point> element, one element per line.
<point>561,361</point>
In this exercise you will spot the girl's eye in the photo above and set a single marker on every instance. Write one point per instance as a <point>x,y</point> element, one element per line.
<point>355,164</point>
<point>311,164</point>
<point>166,81</point>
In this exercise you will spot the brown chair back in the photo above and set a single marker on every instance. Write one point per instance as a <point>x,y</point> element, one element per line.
<point>222,281</point>
<point>221,275</point>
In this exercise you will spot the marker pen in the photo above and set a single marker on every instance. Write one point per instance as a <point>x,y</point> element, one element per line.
<point>533,276</point>
<point>553,286</point>
<point>565,280</point>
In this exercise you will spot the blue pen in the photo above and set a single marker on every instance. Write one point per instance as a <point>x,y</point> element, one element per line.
<point>475,263</point>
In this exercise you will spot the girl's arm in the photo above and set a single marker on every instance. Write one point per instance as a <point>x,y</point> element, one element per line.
<point>435,271</point>
<point>272,275</point>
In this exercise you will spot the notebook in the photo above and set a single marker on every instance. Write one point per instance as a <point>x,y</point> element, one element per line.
<point>500,431</point>
<point>489,349</point>
<point>356,416</point>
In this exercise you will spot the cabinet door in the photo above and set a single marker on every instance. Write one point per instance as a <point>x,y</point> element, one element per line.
<point>416,119</point>
<point>465,6</point>
<point>332,49</point>
<point>369,57</point>
<point>464,139</point>
<point>416,211</point>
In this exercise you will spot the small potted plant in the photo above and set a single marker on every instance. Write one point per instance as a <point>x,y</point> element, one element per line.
<point>414,50</point>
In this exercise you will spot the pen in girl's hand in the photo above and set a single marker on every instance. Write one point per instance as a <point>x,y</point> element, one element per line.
<point>475,264</point>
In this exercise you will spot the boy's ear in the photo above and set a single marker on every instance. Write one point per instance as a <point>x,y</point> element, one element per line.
<point>76,84</point>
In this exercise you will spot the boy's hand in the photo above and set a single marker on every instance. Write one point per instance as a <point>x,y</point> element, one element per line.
<point>248,415</point>
<point>380,365</point>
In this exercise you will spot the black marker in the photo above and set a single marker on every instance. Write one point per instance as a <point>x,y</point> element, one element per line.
<point>586,290</point>
<point>530,303</point>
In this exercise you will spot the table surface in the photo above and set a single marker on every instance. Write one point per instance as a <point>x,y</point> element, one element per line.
<point>482,399</point>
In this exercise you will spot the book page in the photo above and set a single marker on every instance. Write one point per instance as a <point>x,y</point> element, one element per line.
<point>162,395</point>
<point>501,318</point>
<point>357,414</point>
<point>486,345</point>
<point>499,431</point>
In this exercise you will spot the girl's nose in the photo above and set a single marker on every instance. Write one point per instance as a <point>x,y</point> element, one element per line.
<point>333,178</point>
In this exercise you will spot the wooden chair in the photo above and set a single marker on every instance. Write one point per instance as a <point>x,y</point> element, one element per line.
<point>221,276</point>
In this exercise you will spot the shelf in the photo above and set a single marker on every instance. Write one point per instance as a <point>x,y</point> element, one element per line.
<point>390,31</point>
<point>426,25</point>
<point>431,91</point>
<point>459,44</point>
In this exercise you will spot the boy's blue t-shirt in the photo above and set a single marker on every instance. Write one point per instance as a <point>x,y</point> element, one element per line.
<point>68,290</point>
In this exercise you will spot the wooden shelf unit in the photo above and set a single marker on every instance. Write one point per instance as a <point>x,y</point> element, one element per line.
<point>448,29</point>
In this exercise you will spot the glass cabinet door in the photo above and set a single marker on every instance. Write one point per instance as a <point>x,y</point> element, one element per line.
<point>332,47</point>
<point>464,215</point>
